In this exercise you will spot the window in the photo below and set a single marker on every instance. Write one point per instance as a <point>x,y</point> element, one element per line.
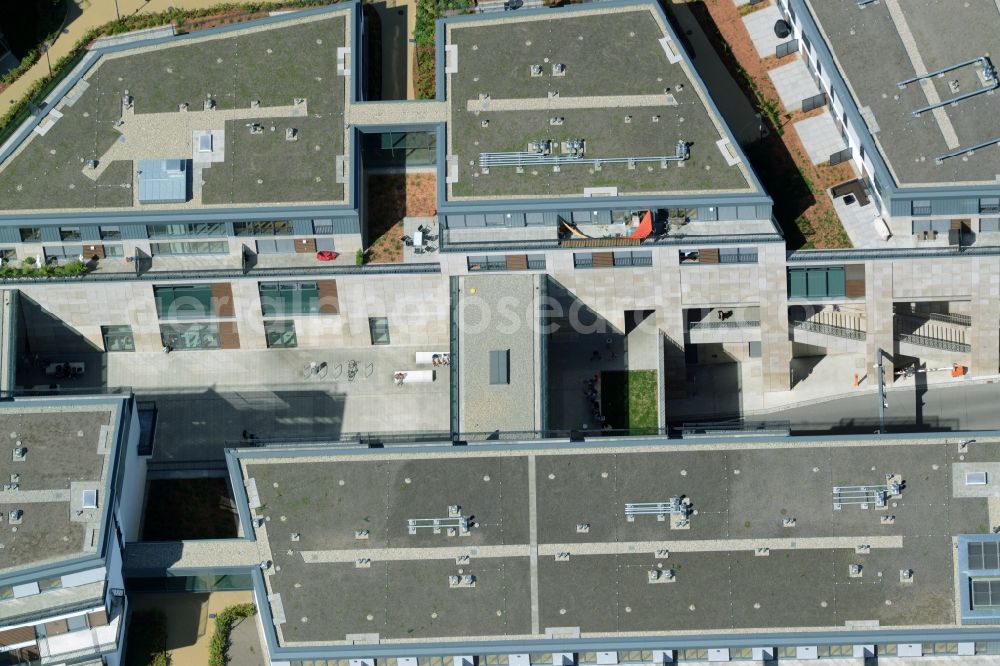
<point>62,252</point>
<point>322,226</point>
<point>281,299</point>
<point>193,229</point>
<point>738,255</point>
<point>920,207</point>
<point>31,234</point>
<point>184,301</point>
<point>266,228</point>
<point>7,254</point>
<point>990,205</point>
<point>829,282</point>
<point>496,262</point>
<point>500,367</point>
<point>985,593</point>
<point>69,233</point>
<point>113,251</point>
<point>53,583</point>
<point>77,623</point>
<point>985,224</point>
<point>633,258</point>
<point>190,247</point>
<point>379,329</point>
<point>118,338</point>
<point>190,336</point>
<point>280,334</point>
<point>277,246</point>
<point>682,213</point>
<point>111,233</point>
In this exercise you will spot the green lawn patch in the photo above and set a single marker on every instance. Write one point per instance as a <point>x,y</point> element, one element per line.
<point>628,399</point>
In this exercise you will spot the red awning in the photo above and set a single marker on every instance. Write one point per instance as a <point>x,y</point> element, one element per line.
<point>645,227</point>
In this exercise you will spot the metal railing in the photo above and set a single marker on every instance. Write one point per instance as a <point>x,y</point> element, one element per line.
<point>912,253</point>
<point>709,325</point>
<point>840,156</point>
<point>229,273</point>
<point>814,102</point>
<point>828,329</point>
<point>735,427</point>
<point>668,240</point>
<point>959,319</point>
<point>741,258</point>
<point>786,48</point>
<point>934,343</point>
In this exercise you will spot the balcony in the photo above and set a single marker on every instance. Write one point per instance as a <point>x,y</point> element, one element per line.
<point>723,324</point>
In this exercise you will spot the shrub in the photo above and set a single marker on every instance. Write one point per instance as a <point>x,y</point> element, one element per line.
<point>224,622</point>
<point>28,269</point>
<point>428,12</point>
<point>359,257</point>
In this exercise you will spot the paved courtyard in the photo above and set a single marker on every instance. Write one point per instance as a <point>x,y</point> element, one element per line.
<point>206,399</point>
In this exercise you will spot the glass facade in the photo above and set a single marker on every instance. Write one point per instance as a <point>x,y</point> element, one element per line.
<point>190,336</point>
<point>280,334</point>
<point>189,247</point>
<point>379,329</point>
<point>184,301</point>
<point>184,230</point>
<point>826,282</point>
<point>266,228</point>
<point>118,338</point>
<point>110,233</point>
<point>280,299</point>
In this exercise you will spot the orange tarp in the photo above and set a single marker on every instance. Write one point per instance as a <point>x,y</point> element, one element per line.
<point>645,227</point>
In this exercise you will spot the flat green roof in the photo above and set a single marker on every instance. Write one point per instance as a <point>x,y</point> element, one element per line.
<point>251,75</point>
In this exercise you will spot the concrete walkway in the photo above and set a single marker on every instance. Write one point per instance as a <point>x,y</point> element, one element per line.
<point>84,15</point>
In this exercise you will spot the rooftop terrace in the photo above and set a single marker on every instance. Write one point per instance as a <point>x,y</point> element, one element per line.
<point>613,78</point>
<point>752,542</point>
<point>130,106</point>
<point>925,38</point>
<point>55,456</point>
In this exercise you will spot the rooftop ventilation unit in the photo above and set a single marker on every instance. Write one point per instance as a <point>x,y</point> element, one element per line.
<point>89,499</point>
<point>20,453</point>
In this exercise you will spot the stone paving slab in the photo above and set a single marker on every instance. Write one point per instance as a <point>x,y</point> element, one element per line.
<point>760,25</point>
<point>794,83</point>
<point>820,137</point>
